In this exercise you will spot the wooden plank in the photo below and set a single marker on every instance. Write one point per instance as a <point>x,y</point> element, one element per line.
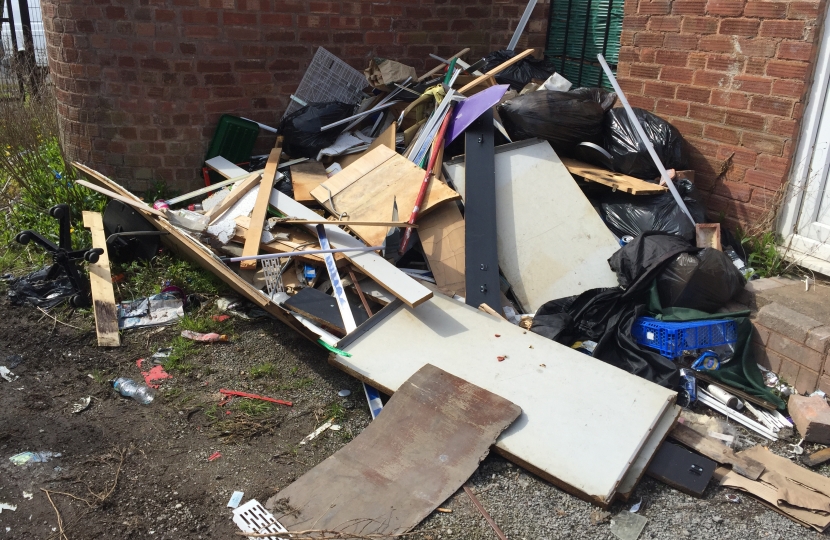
<point>225,167</point>
<point>554,385</point>
<point>387,139</point>
<point>655,439</point>
<point>298,239</point>
<point>618,181</point>
<point>254,234</point>
<point>369,263</point>
<point>481,247</point>
<point>816,458</point>
<point>353,172</point>
<point>345,223</point>
<point>100,281</point>
<point>716,451</point>
<point>370,197</point>
<point>305,177</point>
<point>681,469</point>
<point>322,310</point>
<point>238,191</point>
<point>429,440</point>
<point>137,204</point>
<point>707,235</point>
<point>501,67</point>
<point>191,248</point>
<point>551,242</point>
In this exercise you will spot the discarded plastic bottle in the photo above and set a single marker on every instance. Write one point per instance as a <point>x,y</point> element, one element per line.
<point>139,392</point>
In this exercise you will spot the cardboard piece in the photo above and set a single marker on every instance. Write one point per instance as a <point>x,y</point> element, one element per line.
<point>428,441</point>
<point>305,177</point>
<point>442,239</point>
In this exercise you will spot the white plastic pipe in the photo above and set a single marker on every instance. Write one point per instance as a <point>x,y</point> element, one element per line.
<point>642,134</point>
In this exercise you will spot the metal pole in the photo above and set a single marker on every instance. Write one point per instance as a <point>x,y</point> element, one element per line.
<point>297,253</point>
<point>522,23</point>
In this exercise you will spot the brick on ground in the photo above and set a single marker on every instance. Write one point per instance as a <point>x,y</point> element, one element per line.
<point>811,416</point>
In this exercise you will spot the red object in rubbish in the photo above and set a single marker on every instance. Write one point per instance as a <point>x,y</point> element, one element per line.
<point>214,456</point>
<point>154,376</point>
<point>254,396</point>
<point>501,358</point>
<point>220,318</point>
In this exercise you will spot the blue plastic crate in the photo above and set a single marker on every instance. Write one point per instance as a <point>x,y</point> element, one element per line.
<point>672,338</point>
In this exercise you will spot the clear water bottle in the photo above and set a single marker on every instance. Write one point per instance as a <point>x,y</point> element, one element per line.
<point>139,392</point>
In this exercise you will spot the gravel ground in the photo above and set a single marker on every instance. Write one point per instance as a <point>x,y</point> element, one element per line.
<point>168,489</point>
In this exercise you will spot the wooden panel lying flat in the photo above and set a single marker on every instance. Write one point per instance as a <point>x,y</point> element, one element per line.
<point>100,281</point>
<point>554,385</point>
<point>322,310</point>
<point>618,181</point>
<point>368,262</point>
<point>305,177</point>
<point>442,239</point>
<point>551,241</point>
<point>368,188</point>
<point>681,469</point>
<point>427,442</point>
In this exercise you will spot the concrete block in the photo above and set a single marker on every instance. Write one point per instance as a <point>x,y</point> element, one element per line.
<point>807,380</point>
<point>824,384</point>
<point>769,359</point>
<point>811,415</point>
<point>788,370</point>
<point>763,284</point>
<point>760,333</point>
<point>818,339</point>
<point>800,354</point>
<point>786,321</point>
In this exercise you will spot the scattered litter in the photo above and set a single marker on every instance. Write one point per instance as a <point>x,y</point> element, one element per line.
<point>27,495</point>
<point>628,526</point>
<point>162,353</point>
<point>733,498</point>
<point>501,358</point>
<point>220,318</point>
<point>159,309</point>
<point>444,510</point>
<point>33,457</point>
<point>335,427</point>
<point>82,405</point>
<point>254,396</point>
<point>251,517</point>
<point>7,374</point>
<point>599,516</point>
<point>212,337</point>
<point>154,375</point>
<point>7,506</point>
<point>129,388</point>
<point>344,393</point>
<point>636,507</point>
<point>236,498</point>
<point>214,456</point>
<point>316,432</point>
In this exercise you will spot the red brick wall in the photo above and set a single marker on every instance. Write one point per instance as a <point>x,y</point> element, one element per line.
<point>141,85</point>
<point>732,75</point>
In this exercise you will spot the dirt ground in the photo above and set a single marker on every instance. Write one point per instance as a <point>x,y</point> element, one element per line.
<point>131,471</point>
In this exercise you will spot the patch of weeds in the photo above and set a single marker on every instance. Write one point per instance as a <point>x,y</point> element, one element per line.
<point>99,376</point>
<point>177,361</point>
<point>198,323</point>
<point>212,412</point>
<point>298,384</point>
<point>763,254</point>
<point>264,370</point>
<point>173,393</point>
<point>294,370</point>
<point>335,410</point>
<point>253,407</point>
<point>145,278</point>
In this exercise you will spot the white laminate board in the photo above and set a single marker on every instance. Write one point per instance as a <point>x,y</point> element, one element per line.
<point>225,167</point>
<point>551,241</point>
<point>583,421</point>
<point>369,262</point>
<point>638,468</point>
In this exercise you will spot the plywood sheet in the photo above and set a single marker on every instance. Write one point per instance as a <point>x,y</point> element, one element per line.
<point>427,442</point>
<point>442,239</point>
<point>565,434</point>
<point>305,177</point>
<point>551,241</point>
<point>617,181</point>
<point>368,188</point>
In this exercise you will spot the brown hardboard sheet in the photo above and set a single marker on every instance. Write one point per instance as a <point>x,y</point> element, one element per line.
<point>426,443</point>
<point>442,238</point>
<point>716,451</point>
<point>305,177</point>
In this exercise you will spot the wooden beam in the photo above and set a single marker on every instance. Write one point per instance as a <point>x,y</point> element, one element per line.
<point>137,204</point>
<point>716,451</point>
<point>100,281</point>
<point>254,234</point>
<point>236,193</point>
<point>441,66</point>
<point>475,82</point>
<point>618,181</point>
<point>225,167</point>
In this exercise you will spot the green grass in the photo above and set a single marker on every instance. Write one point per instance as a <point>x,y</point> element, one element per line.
<point>253,407</point>
<point>199,323</point>
<point>335,410</point>
<point>267,369</point>
<point>177,361</point>
<point>297,384</point>
<point>145,278</point>
<point>763,254</point>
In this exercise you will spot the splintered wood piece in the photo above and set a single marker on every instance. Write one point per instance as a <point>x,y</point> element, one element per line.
<point>254,234</point>
<point>816,458</point>
<point>367,189</point>
<point>305,177</point>
<point>428,441</point>
<point>501,67</point>
<point>100,281</point>
<point>707,235</point>
<point>238,191</point>
<point>618,181</point>
<point>717,451</point>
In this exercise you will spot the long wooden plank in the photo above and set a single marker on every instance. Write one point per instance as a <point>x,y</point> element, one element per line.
<point>498,69</point>
<point>100,281</point>
<point>716,451</point>
<point>554,385</point>
<point>238,191</point>
<point>429,440</point>
<point>137,204</point>
<point>618,181</point>
<point>254,234</point>
<point>297,239</point>
<point>370,263</point>
<point>224,167</point>
<point>188,246</point>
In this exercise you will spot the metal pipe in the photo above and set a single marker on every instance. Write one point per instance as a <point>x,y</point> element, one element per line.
<point>521,27</point>
<point>358,115</point>
<point>297,253</point>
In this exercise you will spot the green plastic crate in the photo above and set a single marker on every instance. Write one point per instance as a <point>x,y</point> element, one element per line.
<point>233,140</point>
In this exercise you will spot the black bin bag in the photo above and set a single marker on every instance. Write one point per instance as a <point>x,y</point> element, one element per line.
<point>520,73</point>
<point>630,155</point>
<point>704,281</point>
<point>564,119</point>
<point>633,215</point>
<point>301,128</point>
